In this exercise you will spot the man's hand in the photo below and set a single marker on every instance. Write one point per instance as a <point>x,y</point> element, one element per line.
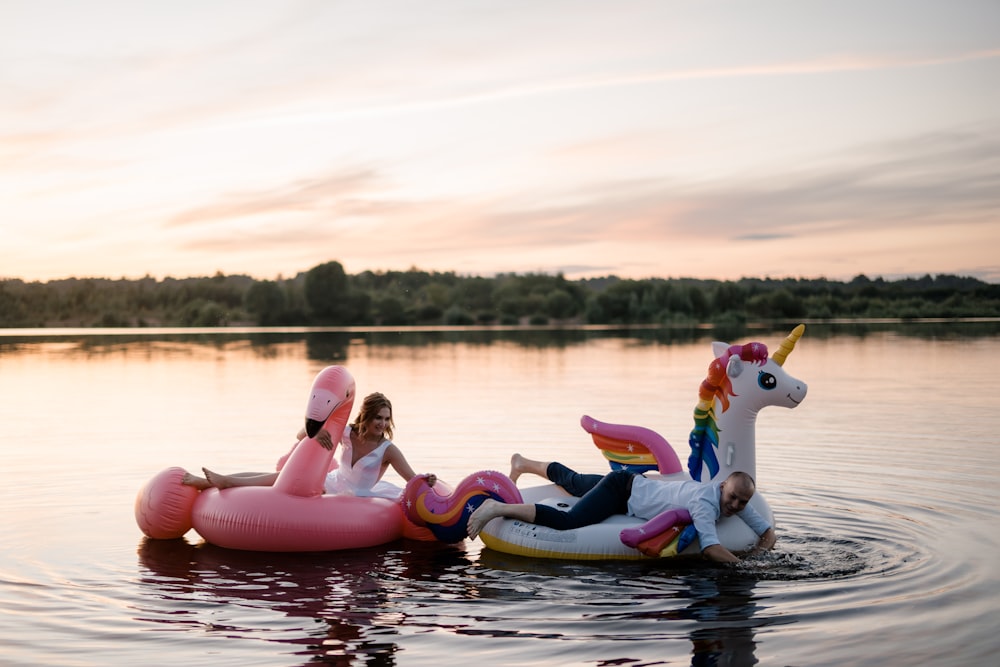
<point>720,554</point>
<point>766,541</point>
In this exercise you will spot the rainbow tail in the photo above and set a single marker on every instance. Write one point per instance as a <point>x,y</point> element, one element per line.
<point>659,524</point>
<point>446,515</point>
<point>632,448</point>
<point>663,545</point>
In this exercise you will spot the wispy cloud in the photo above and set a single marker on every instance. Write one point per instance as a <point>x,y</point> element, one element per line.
<point>925,180</point>
<point>827,65</point>
<point>344,193</point>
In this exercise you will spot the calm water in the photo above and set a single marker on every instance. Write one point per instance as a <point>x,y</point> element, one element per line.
<point>883,482</point>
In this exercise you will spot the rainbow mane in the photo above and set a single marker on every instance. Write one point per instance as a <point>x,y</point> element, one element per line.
<point>704,438</point>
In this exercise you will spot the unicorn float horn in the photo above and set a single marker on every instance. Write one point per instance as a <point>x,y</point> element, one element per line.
<point>788,345</point>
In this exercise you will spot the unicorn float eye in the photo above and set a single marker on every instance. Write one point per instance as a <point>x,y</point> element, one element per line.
<point>767,381</point>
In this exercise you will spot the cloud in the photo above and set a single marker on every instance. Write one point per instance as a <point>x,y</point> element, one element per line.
<point>890,191</point>
<point>761,237</point>
<point>923,180</point>
<point>343,193</point>
<point>554,86</point>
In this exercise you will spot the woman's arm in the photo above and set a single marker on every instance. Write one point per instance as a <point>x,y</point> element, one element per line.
<point>394,457</point>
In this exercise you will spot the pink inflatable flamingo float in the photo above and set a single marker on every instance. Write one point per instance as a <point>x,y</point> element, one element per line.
<point>293,514</point>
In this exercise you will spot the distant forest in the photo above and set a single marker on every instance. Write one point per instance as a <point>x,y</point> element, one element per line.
<point>327,296</point>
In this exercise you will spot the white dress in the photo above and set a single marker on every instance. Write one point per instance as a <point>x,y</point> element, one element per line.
<point>361,478</point>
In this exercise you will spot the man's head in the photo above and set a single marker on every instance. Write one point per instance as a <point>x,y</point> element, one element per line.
<point>737,490</point>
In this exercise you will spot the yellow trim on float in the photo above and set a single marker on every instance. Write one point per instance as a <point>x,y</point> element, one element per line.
<point>506,547</point>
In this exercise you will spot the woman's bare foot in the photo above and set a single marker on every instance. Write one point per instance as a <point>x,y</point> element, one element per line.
<point>490,509</point>
<point>217,480</point>
<point>199,483</point>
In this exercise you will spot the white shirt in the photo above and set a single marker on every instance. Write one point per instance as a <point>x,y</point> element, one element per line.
<point>703,500</point>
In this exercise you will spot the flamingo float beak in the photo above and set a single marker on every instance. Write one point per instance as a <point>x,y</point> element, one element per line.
<point>313,426</point>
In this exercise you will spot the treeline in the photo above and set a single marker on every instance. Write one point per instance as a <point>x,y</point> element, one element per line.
<point>327,296</point>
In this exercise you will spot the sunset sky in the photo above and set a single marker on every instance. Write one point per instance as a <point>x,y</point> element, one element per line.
<point>644,139</point>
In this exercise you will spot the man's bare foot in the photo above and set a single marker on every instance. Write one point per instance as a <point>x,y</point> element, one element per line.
<point>522,464</point>
<point>217,480</point>
<point>490,509</point>
<point>199,483</point>
<point>516,467</point>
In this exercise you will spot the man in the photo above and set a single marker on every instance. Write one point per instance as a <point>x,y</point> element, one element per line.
<point>623,492</point>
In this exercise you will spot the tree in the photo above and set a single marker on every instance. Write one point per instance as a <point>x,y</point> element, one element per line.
<point>390,311</point>
<point>728,296</point>
<point>266,301</point>
<point>561,305</point>
<point>327,293</point>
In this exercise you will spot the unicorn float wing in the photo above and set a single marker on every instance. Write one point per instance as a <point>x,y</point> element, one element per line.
<point>634,448</point>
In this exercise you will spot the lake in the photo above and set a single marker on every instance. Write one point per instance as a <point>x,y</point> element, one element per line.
<point>883,484</point>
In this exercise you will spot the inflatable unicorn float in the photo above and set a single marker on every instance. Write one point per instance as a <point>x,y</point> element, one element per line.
<point>741,380</point>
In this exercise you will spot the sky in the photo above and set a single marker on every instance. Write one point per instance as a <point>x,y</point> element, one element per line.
<point>716,139</point>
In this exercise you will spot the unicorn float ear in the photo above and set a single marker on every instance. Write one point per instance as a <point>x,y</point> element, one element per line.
<point>788,345</point>
<point>734,367</point>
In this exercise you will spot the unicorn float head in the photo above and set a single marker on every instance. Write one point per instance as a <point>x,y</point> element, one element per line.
<point>741,380</point>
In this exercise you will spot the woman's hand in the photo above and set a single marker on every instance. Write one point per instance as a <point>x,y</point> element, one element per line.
<point>324,439</point>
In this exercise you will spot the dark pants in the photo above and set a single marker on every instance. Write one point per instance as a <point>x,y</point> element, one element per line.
<point>600,497</point>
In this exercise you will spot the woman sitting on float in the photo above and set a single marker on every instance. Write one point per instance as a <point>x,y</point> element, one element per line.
<point>288,510</point>
<point>366,453</point>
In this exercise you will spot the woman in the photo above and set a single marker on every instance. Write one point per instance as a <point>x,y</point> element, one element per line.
<point>366,453</point>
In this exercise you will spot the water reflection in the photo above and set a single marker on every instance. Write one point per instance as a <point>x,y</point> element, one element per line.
<point>349,613</point>
<point>327,347</point>
<point>724,608</point>
<point>353,605</point>
<point>714,607</point>
<point>333,344</point>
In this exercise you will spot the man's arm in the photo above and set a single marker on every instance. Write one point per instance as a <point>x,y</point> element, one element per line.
<point>720,554</point>
<point>766,541</point>
<point>704,516</point>
<point>757,523</point>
